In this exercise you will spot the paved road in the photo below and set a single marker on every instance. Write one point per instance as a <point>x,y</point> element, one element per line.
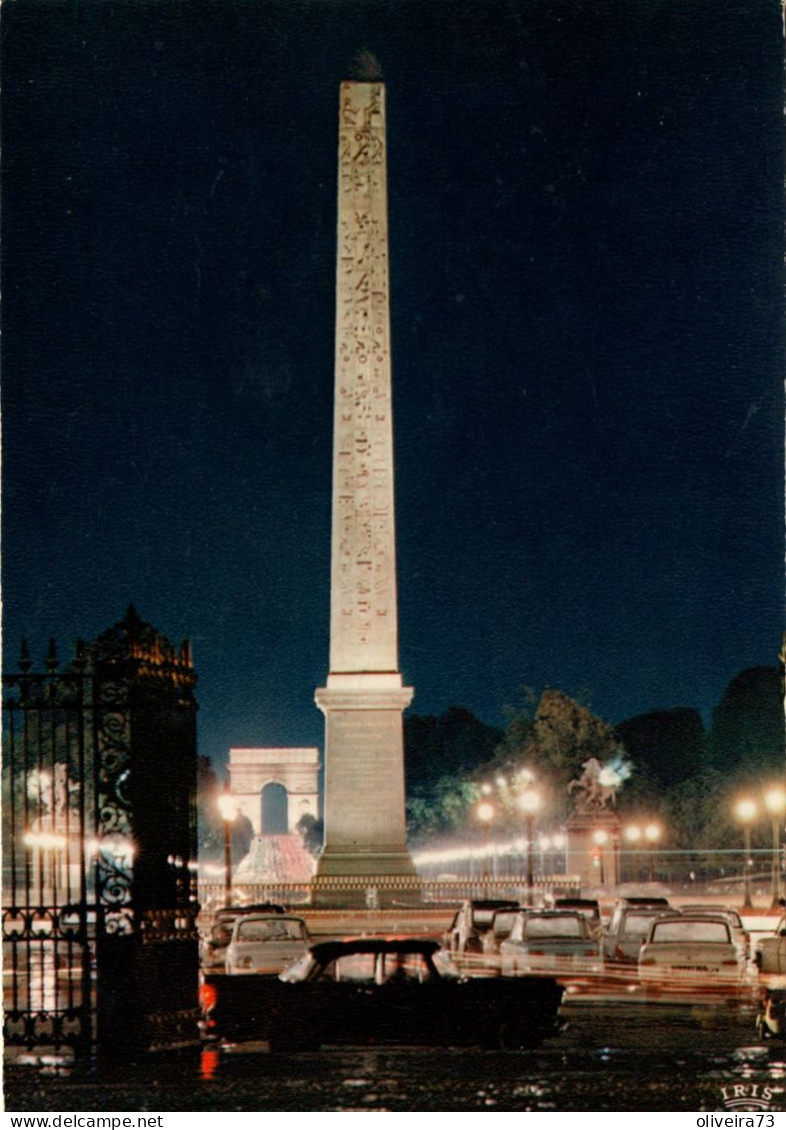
<point>614,1056</point>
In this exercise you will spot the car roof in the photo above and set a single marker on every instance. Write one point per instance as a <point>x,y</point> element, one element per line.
<point>259,917</point>
<point>650,912</point>
<point>491,904</point>
<point>324,952</point>
<point>693,918</point>
<point>252,908</point>
<point>697,908</point>
<point>559,912</point>
<point>642,900</point>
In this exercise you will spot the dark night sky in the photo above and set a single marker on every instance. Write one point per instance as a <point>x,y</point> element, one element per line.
<point>585,222</point>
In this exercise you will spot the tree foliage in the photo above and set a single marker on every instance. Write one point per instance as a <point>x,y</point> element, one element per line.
<point>667,745</point>
<point>747,735</point>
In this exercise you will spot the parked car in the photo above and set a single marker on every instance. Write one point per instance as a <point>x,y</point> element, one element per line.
<point>380,991</point>
<point>213,947</point>
<point>501,925</point>
<point>265,943</point>
<point>552,940</point>
<point>590,908</point>
<point>739,933</point>
<point>694,949</point>
<point>628,929</point>
<point>770,953</point>
<point>471,921</point>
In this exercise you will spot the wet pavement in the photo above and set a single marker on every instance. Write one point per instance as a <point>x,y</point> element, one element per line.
<point>613,1056</point>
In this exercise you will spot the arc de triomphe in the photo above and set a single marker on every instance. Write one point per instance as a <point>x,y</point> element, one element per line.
<point>254,771</point>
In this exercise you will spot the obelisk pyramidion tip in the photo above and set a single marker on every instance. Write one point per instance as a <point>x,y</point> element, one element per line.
<point>364,67</point>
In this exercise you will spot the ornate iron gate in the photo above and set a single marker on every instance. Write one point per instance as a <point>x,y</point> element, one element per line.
<point>99,847</point>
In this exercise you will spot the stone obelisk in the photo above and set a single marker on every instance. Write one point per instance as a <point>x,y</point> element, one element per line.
<point>363,701</point>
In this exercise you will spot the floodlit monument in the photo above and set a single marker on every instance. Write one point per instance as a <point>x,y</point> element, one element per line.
<point>593,828</point>
<point>258,773</point>
<point>365,855</point>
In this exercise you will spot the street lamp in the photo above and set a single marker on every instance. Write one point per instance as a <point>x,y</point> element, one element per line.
<point>485,814</point>
<point>652,835</point>
<point>529,803</point>
<point>775,803</point>
<point>227,806</point>
<point>746,812</point>
<point>600,838</point>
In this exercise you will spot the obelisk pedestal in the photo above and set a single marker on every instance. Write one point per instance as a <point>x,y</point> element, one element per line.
<point>365,859</point>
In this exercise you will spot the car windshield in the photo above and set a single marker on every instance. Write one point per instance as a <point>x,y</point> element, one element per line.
<point>591,913</point>
<point>482,916</point>
<point>567,926</point>
<point>270,930</point>
<point>637,923</point>
<point>690,931</point>
<point>299,970</point>
<point>398,967</point>
<point>351,967</point>
<point>221,933</point>
<point>503,922</point>
<point>378,968</point>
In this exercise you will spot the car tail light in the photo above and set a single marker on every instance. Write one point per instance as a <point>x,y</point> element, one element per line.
<point>207,997</point>
<point>590,953</point>
<point>538,953</point>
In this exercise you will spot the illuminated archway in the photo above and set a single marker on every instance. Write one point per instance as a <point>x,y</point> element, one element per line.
<point>275,787</point>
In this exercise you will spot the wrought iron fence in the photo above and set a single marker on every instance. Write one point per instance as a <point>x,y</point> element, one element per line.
<point>99,900</point>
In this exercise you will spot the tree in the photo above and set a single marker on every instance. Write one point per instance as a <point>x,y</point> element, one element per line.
<point>668,744</point>
<point>312,832</point>
<point>210,831</point>
<point>746,739</point>
<point>451,743</point>
<point>441,753</point>
<point>550,745</point>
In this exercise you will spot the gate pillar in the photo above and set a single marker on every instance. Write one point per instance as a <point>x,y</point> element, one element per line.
<point>147,961</point>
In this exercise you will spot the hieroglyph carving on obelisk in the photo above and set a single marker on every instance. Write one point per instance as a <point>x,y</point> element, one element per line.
<point>365,832</point>
<point>363,632</point>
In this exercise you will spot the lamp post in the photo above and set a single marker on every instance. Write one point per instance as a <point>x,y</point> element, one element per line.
<point>746,813</point>
<point>485,814</point>
<point>600,838</point>
<point>633,835</point>
<point>775,803</point>
<point>228,808</point>
<point>529,803</point>
<point>652,835</point>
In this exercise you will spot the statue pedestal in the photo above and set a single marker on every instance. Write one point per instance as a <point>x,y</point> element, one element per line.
<point>593,848</point>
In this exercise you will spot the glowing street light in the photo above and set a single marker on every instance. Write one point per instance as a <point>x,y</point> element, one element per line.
<point>775,803</point>
<point>600,839</point>
<point>529,803</point>
<point>746,812</point>
<point>652,834</point>
<point>485,814</point>
<point>227,806</point>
